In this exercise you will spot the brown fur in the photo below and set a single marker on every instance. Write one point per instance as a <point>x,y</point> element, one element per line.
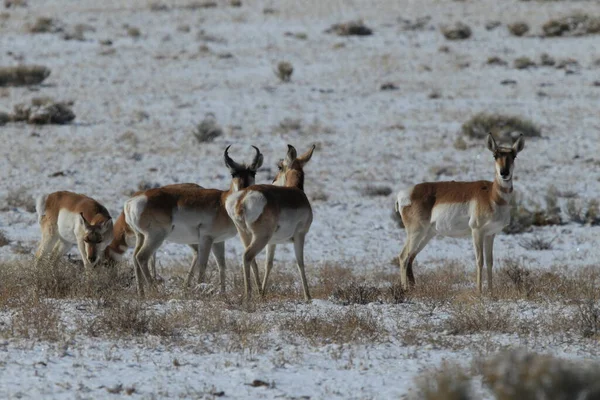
<point>94,212</point>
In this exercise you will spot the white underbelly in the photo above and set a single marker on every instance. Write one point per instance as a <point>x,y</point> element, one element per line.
<point>188,227</point>
<point>452,219</point>
<point>290,221</point>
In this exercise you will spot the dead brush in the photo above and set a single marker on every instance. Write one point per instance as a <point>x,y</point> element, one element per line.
<point>284,71</point>
<point>208,129</point>
<point>457,31</point>
<point>514,280</point>
<point>351,28</point>
<point>19,198</point>
<point>521,375</point>
<point>578,213</point>
<point>536,243</point>
<point>4,240</point>
<point>449,382</point>
<point>36,318</point>
<point>577,24</point>
<point>23,75</point>
<point>340,327</point>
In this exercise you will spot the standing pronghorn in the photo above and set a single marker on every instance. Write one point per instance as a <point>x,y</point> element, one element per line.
<point>267,214</point>
<point>124,238</point>
<point>189,215</point>
<point>68,218</point>
<point>480,208</point>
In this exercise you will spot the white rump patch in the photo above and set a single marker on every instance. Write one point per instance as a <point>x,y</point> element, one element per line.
<point>40,206</point>
<point>404,198</point>
<point>254,204</point>
<point>230,205</point>
<point>133,210</point>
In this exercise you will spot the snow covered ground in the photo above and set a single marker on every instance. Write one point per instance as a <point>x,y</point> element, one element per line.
<point>138,100</point>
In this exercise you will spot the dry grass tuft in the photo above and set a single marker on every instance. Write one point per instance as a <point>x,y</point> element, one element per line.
<point>458,31</point>
<point>23,75</point>
<point>345,326</point>
<point>478,316</point>
<point>536,243</point>
<point>284,71</point>
<point>34,318</point>
<point>4,240</point>
<point>351,28</point>
<point>208,129</point>
<point>503,127</point>
<point>494,60</point>
<point>518,28</point>
<point>578,213</point>
<point>578,24</point>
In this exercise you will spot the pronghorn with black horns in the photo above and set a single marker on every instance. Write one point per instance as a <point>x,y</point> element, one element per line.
<point>269,214</point>
<point>186,215</point>
<point>479,208</point>
<point>68,219</point>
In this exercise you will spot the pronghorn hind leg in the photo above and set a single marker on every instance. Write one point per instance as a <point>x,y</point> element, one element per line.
<point>478,239</point>
<point>255,246</point>
<point>150,244</point>
<point>218,251</point>
<point>268,266</point>
<point>139,242</point>
<point>422,243</point>
<point>488,247</point>
<point>299,251</point>
<point>414,236</point>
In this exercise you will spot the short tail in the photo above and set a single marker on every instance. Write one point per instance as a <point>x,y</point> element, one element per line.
<point>40,207</point>
<point>132,209</point>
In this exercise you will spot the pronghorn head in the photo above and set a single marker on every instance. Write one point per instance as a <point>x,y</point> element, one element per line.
<point>243,175</point>
<point>291,172</point>
<point>96,237</point>
<point>505,157</point>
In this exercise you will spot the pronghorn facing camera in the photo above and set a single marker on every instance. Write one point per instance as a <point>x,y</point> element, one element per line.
<point>124,237</point>
<point>267,214</point>
<point>186,215</point>
<point>479,208</point>
<point>68,218</point>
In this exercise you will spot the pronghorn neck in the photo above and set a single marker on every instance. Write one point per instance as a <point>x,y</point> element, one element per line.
<point>502,190</point>
<point>294,178</point>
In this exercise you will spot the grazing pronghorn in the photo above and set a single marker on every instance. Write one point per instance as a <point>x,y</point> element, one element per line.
<point>479,208</point>
<point>269,214</point>
<point>124,238</point>
<point>68,218</point>
<point>190,215</point>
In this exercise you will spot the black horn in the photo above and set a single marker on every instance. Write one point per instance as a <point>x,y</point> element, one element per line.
<point>232,165</point>
<point>258,160</point>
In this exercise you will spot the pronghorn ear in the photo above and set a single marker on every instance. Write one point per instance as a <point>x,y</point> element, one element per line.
<point>519,144</point>
<point>291,155</point>
<point>304,158</point>
<point>491,143</point>
<point>84,221</point>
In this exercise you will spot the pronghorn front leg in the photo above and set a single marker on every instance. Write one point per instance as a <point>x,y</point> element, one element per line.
<point>218,251</point>
<point>86,264</point>
<point>204,246</point>
<point>478,239</point>
<point>488,247</point>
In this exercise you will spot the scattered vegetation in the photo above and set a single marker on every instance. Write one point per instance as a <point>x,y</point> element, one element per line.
<point>577,24</point>
<point>351,28</point>
<point>207,130</point>
<point>523,63</point>
<point>45,25</point>
<point>358,293</point>
<point>547,60</point>
<point>376,190</point>
<point>23,75</point>
<point>458,31</point>
<point>449,382</point>
<point>494,60</point>
<point>43,110</point>
<point>536,243</point>
<point>518,28</point>
<point>478,316</point>
<point>4,241</point>
<point>418,24</point>
<point>133,32</point>
<point>503,127</point>
<point>19,198</point>
<point>284,71</point>
<point>578,213</point>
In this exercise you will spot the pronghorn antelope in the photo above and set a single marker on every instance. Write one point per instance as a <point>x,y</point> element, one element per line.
<point>124,237</point>
<point>68,218</point>
<point>194,216</point>
<point>269,214</point>
<point>480,208</point>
